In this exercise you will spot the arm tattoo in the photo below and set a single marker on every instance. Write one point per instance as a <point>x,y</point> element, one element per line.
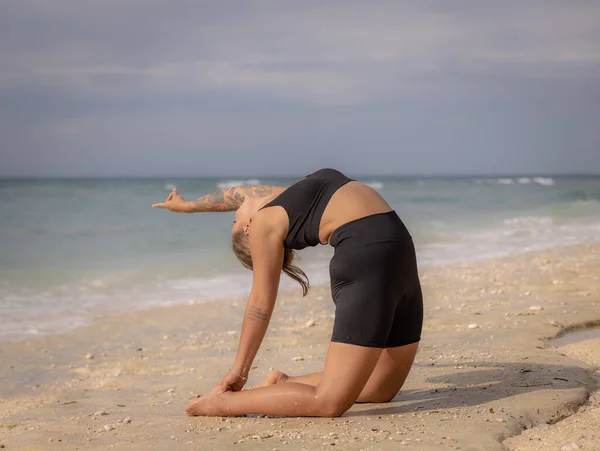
<point>256,313</point>
<point>217,197</point>
<point>259,190</point>
<point>230,199</point>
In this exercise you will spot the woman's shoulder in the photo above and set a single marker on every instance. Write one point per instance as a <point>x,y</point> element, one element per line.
<point>272,222</point>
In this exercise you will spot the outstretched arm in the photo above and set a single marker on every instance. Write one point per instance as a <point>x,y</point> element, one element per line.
<point>223,200</point>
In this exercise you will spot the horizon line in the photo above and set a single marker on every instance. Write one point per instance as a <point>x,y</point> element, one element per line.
<point>290,175</point>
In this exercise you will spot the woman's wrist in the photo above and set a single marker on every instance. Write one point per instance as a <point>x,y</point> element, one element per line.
<point>242,368</point>
<point>191,207</point>
<point>239,374</point>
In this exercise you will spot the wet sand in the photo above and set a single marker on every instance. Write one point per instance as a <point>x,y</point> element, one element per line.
<point>484,371</point>
<point>579,431</point>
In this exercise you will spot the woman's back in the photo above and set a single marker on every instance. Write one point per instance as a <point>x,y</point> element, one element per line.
<point>322,201</point>
<point>352,201</point>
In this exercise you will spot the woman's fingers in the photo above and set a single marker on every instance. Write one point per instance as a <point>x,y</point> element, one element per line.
<point>219,388</point>
<point>176,195</point>
<point>169,199</point>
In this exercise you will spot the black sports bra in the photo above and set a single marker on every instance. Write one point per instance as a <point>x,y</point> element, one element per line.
<point>305,202</point>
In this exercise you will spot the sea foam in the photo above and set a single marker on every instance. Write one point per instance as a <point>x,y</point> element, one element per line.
<point>375,185</point>
<point>544,181</point>
<point>226,184</point>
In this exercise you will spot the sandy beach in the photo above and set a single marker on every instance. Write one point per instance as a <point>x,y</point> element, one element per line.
<point>485,371</point>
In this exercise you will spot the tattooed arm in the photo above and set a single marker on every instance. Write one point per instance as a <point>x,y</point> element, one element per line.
<point>266,247</point>
<point>229,199</point>
<point>224,200</point>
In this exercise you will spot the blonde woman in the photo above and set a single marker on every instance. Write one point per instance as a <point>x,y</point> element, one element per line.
<point>374,285</point>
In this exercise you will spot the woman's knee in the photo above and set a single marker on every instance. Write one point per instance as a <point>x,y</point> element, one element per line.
<point>333,406</point>
<point>376,398</point>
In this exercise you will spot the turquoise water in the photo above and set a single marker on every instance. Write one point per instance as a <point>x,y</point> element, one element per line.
<point>73,249</point>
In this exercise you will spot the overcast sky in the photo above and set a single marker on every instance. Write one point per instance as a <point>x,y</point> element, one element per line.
<point>148,87</point>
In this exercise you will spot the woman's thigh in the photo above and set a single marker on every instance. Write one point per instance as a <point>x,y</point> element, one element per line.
<point>347,369</point>
<point>363,374</point>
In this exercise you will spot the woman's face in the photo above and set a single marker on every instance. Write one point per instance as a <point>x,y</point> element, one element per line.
<point>241,222</point>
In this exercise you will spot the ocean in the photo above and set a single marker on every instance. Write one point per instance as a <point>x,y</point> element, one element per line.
<point>74,249</point>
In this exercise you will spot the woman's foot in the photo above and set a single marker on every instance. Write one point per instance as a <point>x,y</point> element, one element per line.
<point>213,404</point>
<point>209,405</point>
<point>274,377</point>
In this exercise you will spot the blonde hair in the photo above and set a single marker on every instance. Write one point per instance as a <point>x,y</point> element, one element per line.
<point>241,248</point>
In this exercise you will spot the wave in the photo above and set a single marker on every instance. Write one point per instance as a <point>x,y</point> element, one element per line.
<point>529,221</point>
<point>511,236</point>
<point>544,181</point>
<point>581,195</point>
<point>580,208</point>
<point>375,185</point>
<point>233,183</point>
<point>587,203</point>
<point>169,186</point>
<point>65,306</point>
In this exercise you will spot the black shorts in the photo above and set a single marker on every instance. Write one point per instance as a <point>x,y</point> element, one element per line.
<point>375,283</point>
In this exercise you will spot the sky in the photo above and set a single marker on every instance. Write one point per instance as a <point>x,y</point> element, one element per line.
<point>249,87</point>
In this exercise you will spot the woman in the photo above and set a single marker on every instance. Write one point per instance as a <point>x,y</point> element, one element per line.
<point>374,284</point>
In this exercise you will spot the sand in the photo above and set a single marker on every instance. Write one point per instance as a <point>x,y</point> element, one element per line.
<point>578,431</point>
<point>123,382</point>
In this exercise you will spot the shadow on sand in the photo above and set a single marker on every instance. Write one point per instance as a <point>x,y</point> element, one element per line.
<point>482,383</point>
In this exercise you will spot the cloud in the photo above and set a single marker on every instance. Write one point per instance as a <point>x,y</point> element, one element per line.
<point>68,68</point>
<point>332,53</point>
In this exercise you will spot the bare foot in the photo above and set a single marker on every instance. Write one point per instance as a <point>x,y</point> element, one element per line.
<point>274,377</point>
<point>209,405</point>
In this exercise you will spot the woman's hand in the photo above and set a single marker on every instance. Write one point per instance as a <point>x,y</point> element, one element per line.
<point>232,381</point>
<point>174,203</point>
